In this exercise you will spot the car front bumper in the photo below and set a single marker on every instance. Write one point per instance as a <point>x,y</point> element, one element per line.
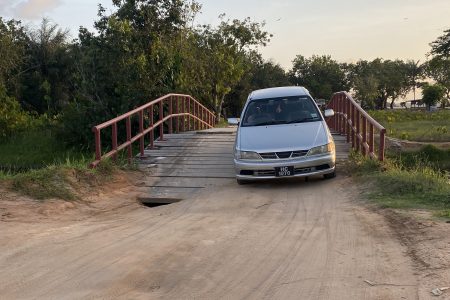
<point>303,166</point>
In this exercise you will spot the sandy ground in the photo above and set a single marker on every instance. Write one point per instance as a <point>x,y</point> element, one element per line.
<point>290,240</point>
<point>270,240</point>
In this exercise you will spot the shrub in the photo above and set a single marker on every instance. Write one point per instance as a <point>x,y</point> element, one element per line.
<point>12,118</point>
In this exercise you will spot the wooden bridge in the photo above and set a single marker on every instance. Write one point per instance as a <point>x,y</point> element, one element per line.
<point>183,153</point>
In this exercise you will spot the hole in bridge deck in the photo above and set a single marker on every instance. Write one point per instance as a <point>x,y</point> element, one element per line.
<point>155,202</point>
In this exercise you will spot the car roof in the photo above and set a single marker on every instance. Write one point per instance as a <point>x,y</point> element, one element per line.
<point>285,91</point>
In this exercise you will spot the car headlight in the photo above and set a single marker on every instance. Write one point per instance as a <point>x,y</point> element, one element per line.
<point>246,155</point>
<point>328,148</point>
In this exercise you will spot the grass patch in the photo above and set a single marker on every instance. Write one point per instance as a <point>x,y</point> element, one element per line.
<point>415,125</point>
<point>427,156</point>
<point>35,149</point>
<point>50,182</point>
<point>443,214</point>
<point>60,181</point>
<point>394,185</point>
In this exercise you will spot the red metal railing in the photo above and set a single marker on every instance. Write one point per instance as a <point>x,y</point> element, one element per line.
<point>183,113</point>
<point>351,120</point>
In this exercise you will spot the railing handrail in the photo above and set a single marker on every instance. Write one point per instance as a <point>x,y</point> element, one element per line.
<point>353,121</point>
<point>361,110</point>
<point>199,117</point>
<point>143,107</point>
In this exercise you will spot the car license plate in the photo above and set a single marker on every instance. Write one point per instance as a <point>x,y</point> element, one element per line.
<point>284,171</point>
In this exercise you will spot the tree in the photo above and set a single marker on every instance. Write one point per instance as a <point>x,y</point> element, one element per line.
<point>438,69</point>
<point>48,69</point>
<point>379,81</point>
<point>415,71</point>
<point>321,75</point>
<point>132,56</point>
<point>261,74</point>
<point>432,94</point>
<point>364,83</point>
<point>441,46</point>
<point>217,61</point>
<point>13,41</point>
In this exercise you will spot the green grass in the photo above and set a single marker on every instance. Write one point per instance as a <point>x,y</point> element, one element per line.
<point>61,181</point>
<point>427,156</point>
<point>415,125</point>
<point>394,185</point>
<point>36,164</point>
<point>34,150</point>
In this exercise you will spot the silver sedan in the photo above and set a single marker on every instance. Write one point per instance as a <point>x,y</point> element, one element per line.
<point>282,133</point>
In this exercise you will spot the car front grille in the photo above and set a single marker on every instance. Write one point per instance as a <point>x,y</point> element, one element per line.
<point>270,155</point>
<point>283,155</point>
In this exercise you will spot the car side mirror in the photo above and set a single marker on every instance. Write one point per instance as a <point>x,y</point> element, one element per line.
<point>233,121</point>
<point>329,113</point>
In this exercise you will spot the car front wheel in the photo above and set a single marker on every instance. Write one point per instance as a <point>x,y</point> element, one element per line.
<point>241,182</point>
<point>330,175</point>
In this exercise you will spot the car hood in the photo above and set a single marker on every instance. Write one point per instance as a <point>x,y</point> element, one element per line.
<point>286,137</point>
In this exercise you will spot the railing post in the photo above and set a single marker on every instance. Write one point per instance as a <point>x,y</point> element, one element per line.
<point>210,119</point>
<point>338,106</point>
<point>343,116</point>
<point>130,148</point>
<point>186,111</point>
<point>203,118</point>
<point>199,117</point>
<point>353,127</point>
<point>170,114</point>
<point>161,117</point>
<point>183,110</point>
<point>98,144</point>
<point>114,140</point>
<point>190,114</point>
<point>382,144</point>
<point>177,118</point>
<point>358,130</point>
<point>347,123</point>
<point>195,115</point>
<point>364,137</point>
<point>152,132</point>
<point>141,132</point>
<point>371,139</point>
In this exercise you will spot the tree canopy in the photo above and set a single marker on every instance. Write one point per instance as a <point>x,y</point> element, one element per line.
<point>441,46</point>
<point>320,74</point>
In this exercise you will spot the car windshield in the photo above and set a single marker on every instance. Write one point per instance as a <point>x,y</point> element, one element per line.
<point>286,110</point>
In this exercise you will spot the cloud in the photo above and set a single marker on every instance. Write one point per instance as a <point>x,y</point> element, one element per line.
<point>34,9</point>
<point>5,6</point>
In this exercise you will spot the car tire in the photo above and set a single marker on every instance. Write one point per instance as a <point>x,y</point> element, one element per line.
<point>330,175</point>
<point>241,182</point>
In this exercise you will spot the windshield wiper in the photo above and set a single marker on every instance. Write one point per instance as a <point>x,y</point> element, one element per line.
<point>303,120</point>
<point>269,123</point>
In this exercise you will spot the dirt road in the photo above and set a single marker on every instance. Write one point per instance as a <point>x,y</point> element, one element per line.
<point>271,240</point>
<point>294,240</point>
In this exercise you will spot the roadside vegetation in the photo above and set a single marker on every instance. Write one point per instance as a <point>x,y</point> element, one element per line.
<point>415,125</point>
<point>407,181</point>
<point>63,181</point>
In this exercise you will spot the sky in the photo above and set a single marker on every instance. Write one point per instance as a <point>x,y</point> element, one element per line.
<point>348,30</point>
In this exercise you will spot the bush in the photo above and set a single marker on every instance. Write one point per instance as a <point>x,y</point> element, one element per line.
<point>12,118</point>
